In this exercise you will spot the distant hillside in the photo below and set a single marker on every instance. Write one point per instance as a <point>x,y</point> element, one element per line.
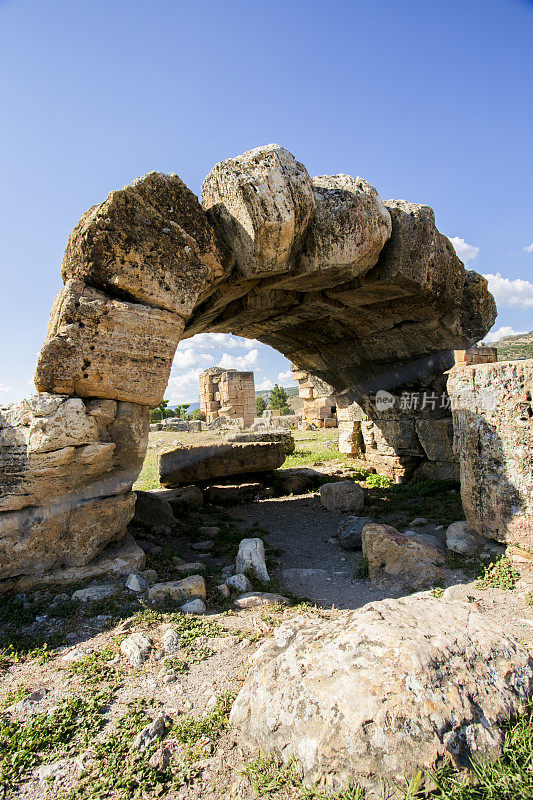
<point>511,348</point>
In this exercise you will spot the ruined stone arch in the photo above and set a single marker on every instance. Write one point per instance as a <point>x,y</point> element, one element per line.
<point>359,293</point>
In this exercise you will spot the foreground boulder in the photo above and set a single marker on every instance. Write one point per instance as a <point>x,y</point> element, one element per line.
<point>200,463</point>
<point>413,560</point>
<point>386,690</point>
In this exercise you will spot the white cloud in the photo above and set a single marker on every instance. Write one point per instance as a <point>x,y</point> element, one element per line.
<point>285,377</point>
<point>495,336</point>
<point>265,385</point>
<point>187,358</point>
<point>515,293</point>
<point>213,341</point>
<point>466,252</point>
<point>529,248</point>
<point>4,388</point>
<point>181,388</point>
<point>244,363</point>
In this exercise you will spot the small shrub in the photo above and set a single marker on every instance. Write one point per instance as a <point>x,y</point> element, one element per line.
<point>362,569</point>
<point>375,481</point>
<point>498,574</point>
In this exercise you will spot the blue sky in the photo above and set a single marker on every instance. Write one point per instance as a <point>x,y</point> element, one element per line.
<point>431,102</point>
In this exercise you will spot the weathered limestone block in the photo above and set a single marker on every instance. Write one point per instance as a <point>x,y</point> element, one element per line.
<point>493,424</point>
<point>349,228</point>
<point>436,437</point>
<point>100,347</point>
<point>384,691</point>
<point>409,559</point>
<point>99,449</point>
<point>151,242</point>
<point>184,465</point>
<point>283,436</point>
<point>262,202</point>
<point>36,540</point>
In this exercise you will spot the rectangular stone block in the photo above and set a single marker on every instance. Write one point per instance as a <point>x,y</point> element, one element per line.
<point>100,347</point>
<point>185,465</point>
<point>493,426</point>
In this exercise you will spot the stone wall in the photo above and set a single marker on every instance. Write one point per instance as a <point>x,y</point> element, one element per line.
<point>319,409</point>
<point>229,393</point>
<point>493,422</point>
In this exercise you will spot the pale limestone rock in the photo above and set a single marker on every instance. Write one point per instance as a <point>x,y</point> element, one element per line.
<point>136,647</point>
<point>493,424</point>
<point>171,641</point>
<point>188,588</point>
<point>151,241</point>
<point>136,582</point>
<point>204,462</point>
<point>436,437</point>
<point>251,558</point>
<point>97,346</point>
<point>461,540</point>
<point>384,691</point>
<point>154,730</point>
<point>258,599</point>
<point>196,606</point>
<point>342,496</point>
<point>347,233</point>
<point>68,425</point>
<point>262,201</point>
<point>94,593</point>
<point>240,583</point>
<point>391,554</point>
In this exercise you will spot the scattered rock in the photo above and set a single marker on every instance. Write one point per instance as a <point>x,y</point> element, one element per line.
<point>194,607</point>
<point>210,531</point>
<point>297,479</point>
<point>94,593</point>
<point>349,533</point>
<point>27,704</point>
<point>150,509</point>
<point>178,591</point>
<point>251,558</point>
<point>460,539</point>
<point>240,583</point>
<point>48,772</point>
<point>136,648</point>
<point>223,589</point>
<point>342,496</point>
<point>419,520</point>
<point>255,599</point>
<point>186,497</point>
<point>136,582</point>
<point>227,572</point>
<point>164,756</point>
<point>155,730</point>
<point>283,436</point>
<point>190,566</point>
<point>386,690</point>
<point>171,641</point>
<point>202,546</point>
<point>391,554</point>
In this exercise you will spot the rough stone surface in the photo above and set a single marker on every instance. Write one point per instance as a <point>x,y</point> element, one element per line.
<point>461,540</point>
<point>97,346</point>
<point>273,435</point>
<point>297,479</point>
<point>94,593</point>
<point>393,555</point>
<point>149,734</point>
<point>493,424</point>
<point>262,202</point>
<point>204,462</point>
<point>258,599</point>
<point>384,691</point>
<point>136,647</point>
<point>251,559</point>
<point>196,606</point>
<point>350,530</point>
<point>152,510</point>
<point>239,583</point>
<point>192,587</point>
<point>233,494</point>
<point>151,242</point>
<point>342,496</point>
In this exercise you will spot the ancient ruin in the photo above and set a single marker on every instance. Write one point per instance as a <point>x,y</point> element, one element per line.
<point>319,409</point>
<point>229,393</point>
<point>363,295</point>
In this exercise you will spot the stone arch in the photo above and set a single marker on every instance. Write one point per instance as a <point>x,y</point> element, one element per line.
<point>359,293</point>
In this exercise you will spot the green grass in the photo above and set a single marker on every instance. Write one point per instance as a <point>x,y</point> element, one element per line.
<point>272,778</point>
<point>24,745</point>
<point>498,574</point>
<point>148,479</point>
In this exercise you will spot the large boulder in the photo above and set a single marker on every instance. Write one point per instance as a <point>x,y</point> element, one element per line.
<point>184,465</point>
<point>384,691</point>
<point>492,420</point>
<point>412,560</point>
<point>342,496</point>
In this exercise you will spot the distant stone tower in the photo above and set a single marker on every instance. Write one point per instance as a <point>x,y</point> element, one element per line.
<point>227,392</point>
<point>319,408</point>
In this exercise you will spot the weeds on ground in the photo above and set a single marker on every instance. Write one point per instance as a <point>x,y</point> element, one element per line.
<point>71,726</point>
<point>374,481</point>
<point>94,669</point>
<point>362,571</point>
<point>498,574</point>
<point>272,778</point>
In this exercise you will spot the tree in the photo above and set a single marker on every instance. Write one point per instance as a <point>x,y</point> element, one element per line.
<point>260,404</point>
<point>158,414</point>
<point>197,414</point>
<point>278,399</point>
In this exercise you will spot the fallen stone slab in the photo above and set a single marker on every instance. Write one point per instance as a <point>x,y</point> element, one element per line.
<point>258,599</point>
<point>283,436</point>
<point>386,690</point>
<point>415,560</point>
<point>203,462</point>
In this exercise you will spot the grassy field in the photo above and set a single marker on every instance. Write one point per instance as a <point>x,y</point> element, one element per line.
<point>311,446</point>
